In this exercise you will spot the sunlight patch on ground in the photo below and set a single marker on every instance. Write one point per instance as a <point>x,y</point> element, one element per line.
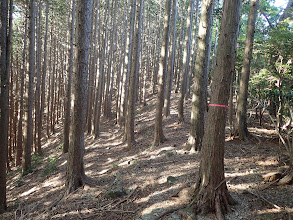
<point>242,186</point>
<point>164,204</point>
<point>270,161</point>
<point>29,191</point>
<point>53,182</point>
<point>265,211</point>
<point>262,130</point>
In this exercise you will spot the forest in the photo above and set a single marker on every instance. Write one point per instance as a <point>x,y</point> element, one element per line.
<point>146,109</point>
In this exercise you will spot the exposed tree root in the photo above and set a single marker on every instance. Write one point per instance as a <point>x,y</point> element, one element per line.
<point>218,203</point>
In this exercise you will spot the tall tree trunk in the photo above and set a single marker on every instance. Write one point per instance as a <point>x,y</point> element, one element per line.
<point>192,64</point>
<point>9,69</point>
<point>128,57</point>
<point>245,72</point>
<point>158,133</point>
<point>158,47</point>
<point>186,59</point>
<point>200,76</point>
<point>44,73</point>
<point>211,193</point>
<point>68,91</point>
<point>100,87</point>
<point>171,61</point>
<point>4,100</point>
<point>75,168</point>
<point>129,125</point>
<point>121,75</point>
<point>49,82</point>
<point>38,129</point>
<point>92,74</point>
<point>26,162</point>
<point>19,144</point>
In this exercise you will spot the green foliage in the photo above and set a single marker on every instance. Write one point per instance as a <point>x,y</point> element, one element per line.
<point>50,167</point>
<point>19,182</point>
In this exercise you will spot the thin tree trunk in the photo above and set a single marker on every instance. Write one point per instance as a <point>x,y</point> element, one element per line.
<point>38,129</point>
<point>92,75</point>
<point>100,87</point>
<point>245,72</point>
<point>69,79</point>
<point>121,75</point>
<point>158,133</point>
<point>186,58</point>
<point>129,125</point>
<point>171,61</point>
<point>26,162</point>
<point>44,73</point>
<point>19,145</point>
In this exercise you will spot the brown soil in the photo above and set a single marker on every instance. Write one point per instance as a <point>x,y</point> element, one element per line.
<point>145,172</point>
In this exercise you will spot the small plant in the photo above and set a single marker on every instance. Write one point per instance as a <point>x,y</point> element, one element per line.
<point>115,165</point>
<point>19,182</point>
<point>60,147</point>
<point>50,167</point>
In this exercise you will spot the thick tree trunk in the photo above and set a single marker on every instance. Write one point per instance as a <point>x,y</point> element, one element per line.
<point>211,193</point>
<point>26,162</point>
<point>69,79</point>
<point>158,133</point>
<point>4,100</point>
<point>200,77</point>
<point>245,72</point>
<point>75,169</point>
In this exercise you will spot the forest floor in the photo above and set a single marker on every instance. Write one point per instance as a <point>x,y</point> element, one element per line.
<point>154,179</point>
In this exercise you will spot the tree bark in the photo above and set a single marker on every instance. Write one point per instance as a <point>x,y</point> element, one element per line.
<point>200,77</point>
<point>211,193</point>
<point>44,73</point>
<point>26,162</point>
<point>245,72</point>
<point>171,62</point>
<point>38,129</point>
<point>100,87</point>
<point>186,59</point>
<point>158,133</point>
<point>4,100</point>
<point>129,125</point>
<point>69,79</point>
<point>75,168</point>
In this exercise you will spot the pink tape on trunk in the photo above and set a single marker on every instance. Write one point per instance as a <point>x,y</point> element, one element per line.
<point>216,105</point>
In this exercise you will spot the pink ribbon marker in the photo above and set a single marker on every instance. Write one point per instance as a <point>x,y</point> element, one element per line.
<point>216,105</point>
